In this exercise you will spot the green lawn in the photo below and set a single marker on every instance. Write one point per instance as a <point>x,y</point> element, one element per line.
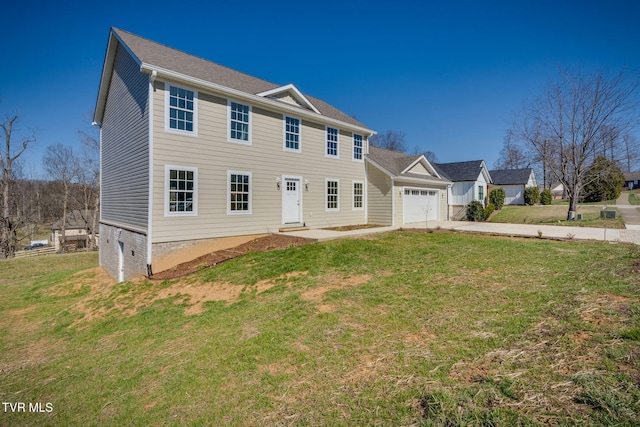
<point>439,329</point>
<point>634,197</point>
<point>556,214</point>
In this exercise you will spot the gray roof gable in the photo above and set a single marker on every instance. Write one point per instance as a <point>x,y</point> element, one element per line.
<point>156,55</point>
<point>395,163</point>
<point>511,176</point>
<point>461,171</point>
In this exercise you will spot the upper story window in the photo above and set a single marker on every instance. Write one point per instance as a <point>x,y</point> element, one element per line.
<point>332,142</point>
<point>239,122</point>
<point>181,106</point>
<point>181,184</point>
<point>357,146</point>
<point>291,134</point>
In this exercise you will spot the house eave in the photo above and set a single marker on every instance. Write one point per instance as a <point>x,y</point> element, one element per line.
<point>296,94</point>
<point>165,74</point>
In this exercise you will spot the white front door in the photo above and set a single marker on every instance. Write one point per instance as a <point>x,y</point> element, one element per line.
<point>291,201</point>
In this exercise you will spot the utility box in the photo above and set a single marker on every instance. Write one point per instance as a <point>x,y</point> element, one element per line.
<point>579,217</point>
<point>607,214</point>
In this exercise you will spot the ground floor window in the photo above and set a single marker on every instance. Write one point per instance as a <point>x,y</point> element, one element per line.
<point>332,195</point>
<point>239,192</point>
<point>358,195</point>
<point>181,187</point>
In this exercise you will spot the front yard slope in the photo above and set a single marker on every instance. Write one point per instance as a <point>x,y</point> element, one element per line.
<point>394,329</point>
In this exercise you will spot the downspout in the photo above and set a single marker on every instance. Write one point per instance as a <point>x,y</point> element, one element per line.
<point>152,79</point>
<point>393,202</point>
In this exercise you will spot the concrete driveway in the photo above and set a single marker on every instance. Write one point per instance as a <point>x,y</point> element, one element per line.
<point>629,212</point>
<point>524,230</point>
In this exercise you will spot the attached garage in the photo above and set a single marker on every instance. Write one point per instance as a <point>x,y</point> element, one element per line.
<point>404,189</point>
<point>420,205</point>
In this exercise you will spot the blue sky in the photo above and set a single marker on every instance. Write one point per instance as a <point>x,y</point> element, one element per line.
<point>449,74</point>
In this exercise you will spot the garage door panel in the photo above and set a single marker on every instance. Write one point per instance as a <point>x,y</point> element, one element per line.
<point>420,205</point>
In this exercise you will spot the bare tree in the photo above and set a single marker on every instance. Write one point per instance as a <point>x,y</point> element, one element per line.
<point>630,153</point>
<point>512,156</point>
<point>62,165</point>
<point>8,156</point>
<point>391,140</point>
<point>89,177</point>
<point>566,125</point>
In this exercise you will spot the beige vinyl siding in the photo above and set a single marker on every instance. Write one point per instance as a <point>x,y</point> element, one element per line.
<point>265,158</point>
<point>444,208</point>
<point>380,196</point>
<point>125,146</point>
<point>419,169</point>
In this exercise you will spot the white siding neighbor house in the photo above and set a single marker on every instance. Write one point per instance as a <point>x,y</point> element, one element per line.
<point>470,182</point>
<point>513,181</point>
<point>192,150</point>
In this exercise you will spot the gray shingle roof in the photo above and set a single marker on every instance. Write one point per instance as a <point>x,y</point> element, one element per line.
<point>510,176</point>
<point>76,219</point>
<point>161,56</point>
<point>460,171</point>
<point>396,162</point>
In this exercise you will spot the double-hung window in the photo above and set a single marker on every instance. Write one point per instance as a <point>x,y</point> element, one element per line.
<point>181,106</point>
<point>332,142</point>
<point>358,195</point>
<point>181,185</point>
<point>239,194</point>
<point>291,134</point>
<point>357,147</point>
<point>333,195</point>
<point>239,122</point>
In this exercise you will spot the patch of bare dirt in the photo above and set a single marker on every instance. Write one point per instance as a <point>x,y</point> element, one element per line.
<point>262,244</point>
<point>332,282</point>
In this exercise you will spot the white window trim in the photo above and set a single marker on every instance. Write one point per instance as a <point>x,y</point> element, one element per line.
<point>234,172</point>
<point>167,107</point>
<point>353,147</point>
<point>233,140</point>
<point>353,195</point>
<point>326,143</point>
<point>167,212</point>
<point>326,195</point>
<point>284,134</point>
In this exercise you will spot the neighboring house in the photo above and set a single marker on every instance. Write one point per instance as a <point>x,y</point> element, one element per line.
<point>513,181</point>
<point>470,182</point>
<point>403,189</point>
<point>77,231</point>
<point>191,151</point>
<point>632,180</point>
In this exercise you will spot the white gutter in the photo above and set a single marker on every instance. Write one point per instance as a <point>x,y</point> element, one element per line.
<point>163,73</point>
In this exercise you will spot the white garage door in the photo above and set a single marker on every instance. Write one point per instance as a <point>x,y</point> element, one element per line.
<point>420,205</point>
<point>514,195</point>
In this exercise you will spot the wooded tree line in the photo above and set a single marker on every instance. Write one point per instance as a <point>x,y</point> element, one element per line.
<point>72,183</point>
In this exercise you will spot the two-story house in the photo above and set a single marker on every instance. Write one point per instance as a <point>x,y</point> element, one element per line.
<point>193,151</point>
